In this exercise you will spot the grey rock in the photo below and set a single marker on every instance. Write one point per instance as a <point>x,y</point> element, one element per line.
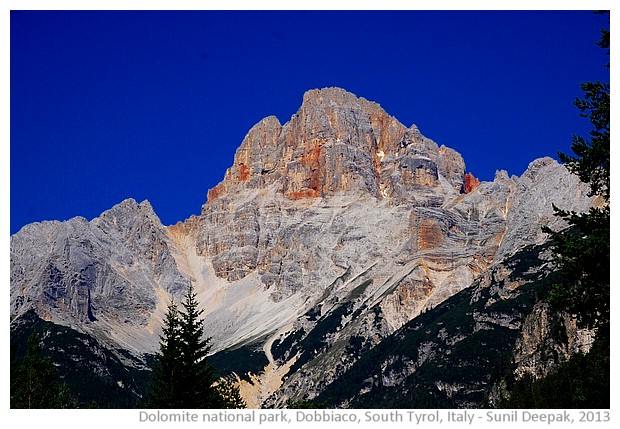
<point>341,205</point>
<point>106,277</point>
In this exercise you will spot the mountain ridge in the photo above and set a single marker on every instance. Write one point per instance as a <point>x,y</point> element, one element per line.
<point>340,225</point>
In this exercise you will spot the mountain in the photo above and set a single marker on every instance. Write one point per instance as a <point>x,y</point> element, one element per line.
<point>464,352</point>
<point>329,240</point>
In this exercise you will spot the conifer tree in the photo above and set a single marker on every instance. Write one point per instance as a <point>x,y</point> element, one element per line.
<point>182,376</point>
<point>229,395</point>
<point>34,381</point>
<point>582,252</point>
<point>582,249</point>
<point>198,378</point>
<point>167,371</point>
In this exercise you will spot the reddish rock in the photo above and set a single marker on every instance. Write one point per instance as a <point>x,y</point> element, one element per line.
<point>469,183</point>
<point>312,161</point>
<point>244,173</point>
<point>429,235</point>
<point>214,192</point>
<point>340,143</point>
<point>308,193</point>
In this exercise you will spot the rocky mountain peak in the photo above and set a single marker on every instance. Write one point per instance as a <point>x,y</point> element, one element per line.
<point>129,209</point>
<point>337,142</point>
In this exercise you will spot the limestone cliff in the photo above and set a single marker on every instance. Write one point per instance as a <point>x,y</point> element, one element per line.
<point>461,353</point>
<point>111,277</point>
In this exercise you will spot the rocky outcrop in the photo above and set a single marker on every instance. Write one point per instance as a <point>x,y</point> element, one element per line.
<point>339,143</point>
<point>459,354</point>
<point>470,183</point>
<point>547,340</point>
<point>110,276</point>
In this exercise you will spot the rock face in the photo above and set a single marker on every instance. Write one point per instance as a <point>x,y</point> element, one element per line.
<point>465,351</point>
<point>337,143</point>
<point>110,277</point>
<point>336,228</point>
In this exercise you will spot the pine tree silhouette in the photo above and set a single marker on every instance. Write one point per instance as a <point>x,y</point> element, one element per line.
<point>182,376</point>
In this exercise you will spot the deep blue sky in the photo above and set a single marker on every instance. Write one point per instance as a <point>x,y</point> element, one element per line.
<point>152,105</point>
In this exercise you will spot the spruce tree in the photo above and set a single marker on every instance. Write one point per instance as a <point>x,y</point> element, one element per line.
<point>167,370</point>
<point>198,378</point>
<point>182,376</point>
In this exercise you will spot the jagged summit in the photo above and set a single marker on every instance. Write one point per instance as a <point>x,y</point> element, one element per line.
<point>338,142</point>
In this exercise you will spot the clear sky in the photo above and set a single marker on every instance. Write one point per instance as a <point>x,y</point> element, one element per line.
<point>108,105</point>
